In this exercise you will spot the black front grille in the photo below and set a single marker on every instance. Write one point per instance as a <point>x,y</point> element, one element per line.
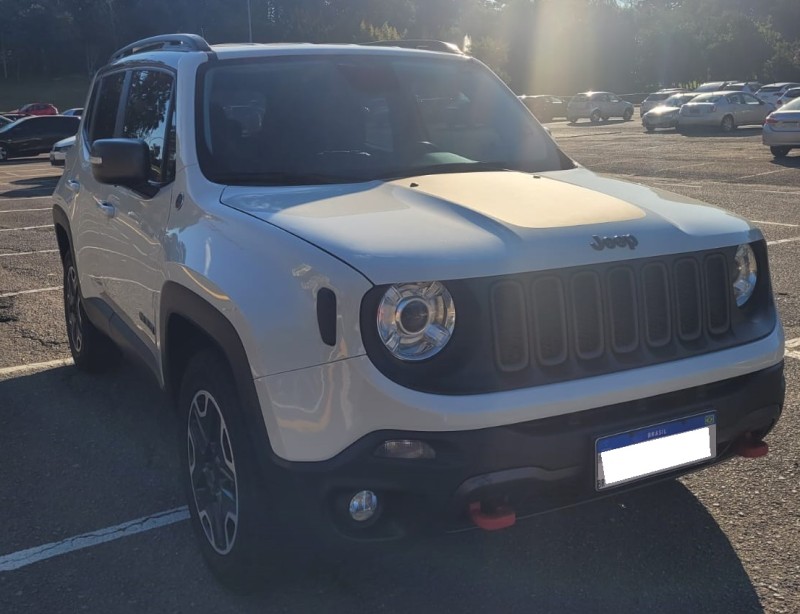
<point>532,329</point>
<point>595,318</point>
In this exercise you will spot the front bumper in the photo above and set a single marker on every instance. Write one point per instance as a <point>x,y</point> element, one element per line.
<point>57,158</point>
<point>663,121</point>
<point>531,467</point>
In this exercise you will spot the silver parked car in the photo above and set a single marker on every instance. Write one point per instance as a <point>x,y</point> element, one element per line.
<point>788,96</point>
<point>781,131</point>
<point>666,114</point>
<point>59,152</point>
<point>598,106</point>
<point>724,110</point>
<point>658,98</point>
<point>751,87</point>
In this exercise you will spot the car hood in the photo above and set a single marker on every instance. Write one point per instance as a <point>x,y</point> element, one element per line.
<point>453,226</point>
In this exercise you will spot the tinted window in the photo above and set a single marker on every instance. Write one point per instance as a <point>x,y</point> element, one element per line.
<point>105,106</point>
<point>147,115</point>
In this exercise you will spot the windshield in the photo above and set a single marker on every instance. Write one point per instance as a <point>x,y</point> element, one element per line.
<point>338,119</point>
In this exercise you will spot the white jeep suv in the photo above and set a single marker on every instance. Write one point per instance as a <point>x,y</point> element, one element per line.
<point>385,303</point>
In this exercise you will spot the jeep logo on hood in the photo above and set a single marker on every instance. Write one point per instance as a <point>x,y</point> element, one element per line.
<point>601,243</point>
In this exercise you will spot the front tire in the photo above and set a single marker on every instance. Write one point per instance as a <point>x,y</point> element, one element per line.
<point>595,117</point>
<point>225,489</point>
<point>91,350</point>
<point>780,152</point>
<point>3,153</point>
<point>627,115</point>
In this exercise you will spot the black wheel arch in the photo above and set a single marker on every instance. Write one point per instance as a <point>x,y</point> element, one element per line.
<point>190,323</point>
<point>63,231</point>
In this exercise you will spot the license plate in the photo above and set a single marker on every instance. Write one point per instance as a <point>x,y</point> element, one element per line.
<point>644,452</point>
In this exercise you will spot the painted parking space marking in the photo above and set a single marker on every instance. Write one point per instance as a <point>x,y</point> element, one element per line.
<point>792,348</point>
<point>35,366</point>
<point>34,291</point>
<point>38,251</point>
<point>27,228</point>
<point>24,210</point>
<point>780,170</point>
<point>23,558</point>
<point>776,223</point>
<point>780,241</point>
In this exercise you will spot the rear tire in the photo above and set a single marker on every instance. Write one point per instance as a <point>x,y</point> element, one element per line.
<point>225,488</point>
<point>627,115</point>
<point>91,350</point>
<point>727,124</point>
<point>3,153</point>
<point>780,152</point>
<point>649,128</point>
<point>595,117</point>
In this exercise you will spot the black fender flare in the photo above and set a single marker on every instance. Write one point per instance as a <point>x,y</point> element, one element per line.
<point>179,300</point>
<point>60,219</point>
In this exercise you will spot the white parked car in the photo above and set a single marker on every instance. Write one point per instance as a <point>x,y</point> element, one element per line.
<point>598,106</point>
<point>657,99</point>
<point>723,110</point>
<point>59,151</point>
<point>376,322</point>
<point>781,131</point>
<point>772,93</point>
<point>750,87</point>
<point>788,96</point>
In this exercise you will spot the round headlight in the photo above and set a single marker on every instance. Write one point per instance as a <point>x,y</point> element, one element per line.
<point>415,321</point>
<point>746,275</point>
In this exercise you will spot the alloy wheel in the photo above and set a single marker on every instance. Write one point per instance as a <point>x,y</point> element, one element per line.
<point>212,472</point>
<point>73,308</point>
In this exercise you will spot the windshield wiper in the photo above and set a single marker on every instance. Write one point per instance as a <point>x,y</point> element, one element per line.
<point>282,178</point>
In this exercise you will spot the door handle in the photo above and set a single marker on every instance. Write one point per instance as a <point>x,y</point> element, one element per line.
<point>107,208</point>
<point>73,184</point>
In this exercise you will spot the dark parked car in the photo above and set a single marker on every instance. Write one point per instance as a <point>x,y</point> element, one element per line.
<point>31,136</point>
<point>545,108</point>
<point>4,121</point>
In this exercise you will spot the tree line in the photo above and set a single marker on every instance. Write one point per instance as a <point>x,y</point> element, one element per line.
<point>537,46</point>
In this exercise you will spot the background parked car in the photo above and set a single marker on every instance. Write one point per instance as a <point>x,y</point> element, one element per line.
<point>666,114</point>
<point>711,86</point>
<point>788,96</point>
<point>77,112</point>
<point>657,99</point>
<point>58,154</point>
<point>724,110</point>
<point>36,108</point>
<point>773,91</point>
<point>598,106</point>
<point>31,136</point>
<point>781,131</point>
<point>545,108</point>
<point>750,87</point>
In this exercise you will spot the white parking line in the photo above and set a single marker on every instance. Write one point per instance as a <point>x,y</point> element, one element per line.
<point>24,210</point>
<point>35,291</point>
<point>27,228</point>
<point>790,345</point>
<point>16,560</point>
<point>35,366</point>
<point>776,223</point>
<point>779,241</point>
<point>780,170</point>
<point>38,251</point>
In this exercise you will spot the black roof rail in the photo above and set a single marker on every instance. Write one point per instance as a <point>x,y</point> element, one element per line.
<point>427,45</point>
<point>163,42</point>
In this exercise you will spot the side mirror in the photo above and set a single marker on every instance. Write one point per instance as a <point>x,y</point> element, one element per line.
<point>123,162</point>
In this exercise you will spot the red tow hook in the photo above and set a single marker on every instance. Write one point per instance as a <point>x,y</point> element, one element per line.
<point>748,448</point>
<point>500,518</point>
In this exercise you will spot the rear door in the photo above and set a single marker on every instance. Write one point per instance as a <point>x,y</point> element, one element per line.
<point>27,137</point>
<point>736,107</point>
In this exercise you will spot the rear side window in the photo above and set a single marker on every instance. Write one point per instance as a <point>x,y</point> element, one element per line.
<point>147,114</point>
<point>105,105</point>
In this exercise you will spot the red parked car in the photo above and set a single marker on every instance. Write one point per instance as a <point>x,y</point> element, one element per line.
<point>36,108</point>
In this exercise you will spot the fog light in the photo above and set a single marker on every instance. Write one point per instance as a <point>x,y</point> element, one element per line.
<point>405,448</point>
<point>363,505</point>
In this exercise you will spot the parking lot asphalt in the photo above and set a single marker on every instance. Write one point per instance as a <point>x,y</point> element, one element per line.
<point>83,456</point>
